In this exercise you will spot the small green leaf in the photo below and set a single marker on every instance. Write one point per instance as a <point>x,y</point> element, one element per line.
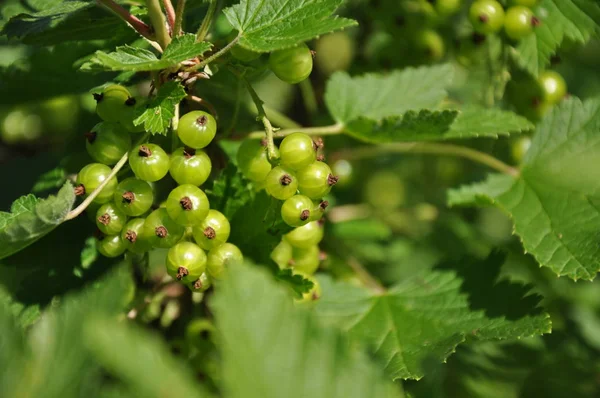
<point>297,283</point>
<point>379,96</point>
<point>128,58</point>
<point>32,218</point>
<point>50,180</point>
<point>554,202</point>
<point>272,349</point>
<point>274,24</point>
<point>573,19</point>
<point>157,113</point>
<point>427,316</point>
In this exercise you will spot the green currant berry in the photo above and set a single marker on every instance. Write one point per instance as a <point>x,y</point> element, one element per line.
<point>344,170</point>
<point>486,16</point>
<point>187,205</point>
<point>132,235</point>
<point>429,45</point>
<point>113,104</point>
<point>519,22</point>
<point>186,262</point>
<point>253,160</point>
<point>190,166</point>
<point>110,245</point>
<point>110,219</point>
<point>197,129</point>
<point>296,211</point>
<point>306,261</point>
<point>107,143</point>
<point>221,258</point>
<point>297,151</point>
<point>160,230</point>
<point>336,52</point>
<point>553,86</point>
<point>281,183</point>
<point>526,3</point>
<point>445,8</point>
<point>282,254</point>
<point>385,190</point>
<point>133,197</point>
<point>519,148</point>
<point>313,294</point>
<point>149,162</point>
<point>306,236</point>
<point>90,177</point>
<point>316,180</point>
<point>292,65</point>
<point>212,231</point>
<point>201,284</point>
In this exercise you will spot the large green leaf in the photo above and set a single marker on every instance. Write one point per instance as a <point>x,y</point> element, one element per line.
<point>560,19</point>
<point>274,24</point>
<point>470,122</point>
<point>555,201</point>
<point>157,113</point>
<point>31,218</point>
<point>272,349</point>
<point>128,58</point>
<point>376,96</point>
<point>427,316</point>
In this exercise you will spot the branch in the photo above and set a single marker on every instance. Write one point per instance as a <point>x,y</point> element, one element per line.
<point>137,24</point>
<point>205,25</point>
<point>431,148</point>
<point>334,129</point>
<point>215,55</point>
<point>366,278</point>
<point>170,11</point>
<point>179,18</point>
<point>158,22</point>
<point>205,104</point>
<point>81,208</point>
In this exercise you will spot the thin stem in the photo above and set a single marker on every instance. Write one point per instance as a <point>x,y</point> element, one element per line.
<point>170,11</point>
<point>308,96</point>
<point>364,275</point>
<point>236,110</point>
<point>81,208</point>
<point>137,24</point>
<point>431,148</point>
<point>205,104</point>
<point>205,25</point>
<point>334,129</point>
<point>158,22</point>
<point>215,55</point>
<point>178,27</point>
<point>262,116</point>
<point>174,126</point>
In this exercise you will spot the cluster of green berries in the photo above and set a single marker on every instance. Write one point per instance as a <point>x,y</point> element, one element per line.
<point>124,211</point>
<point>292,65</point>
<point>301,180</point>
<point>518,21</point>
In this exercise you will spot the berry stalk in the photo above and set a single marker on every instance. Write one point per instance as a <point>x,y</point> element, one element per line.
<point>158,22</point>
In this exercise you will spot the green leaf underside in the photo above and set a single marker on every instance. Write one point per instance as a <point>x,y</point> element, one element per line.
<point>560,19</point>
<point>296,356</point>
<point>25,24</point>
<point>555,203</point>
<point>157,113</point>
<point>31,218</point>
<point>425,125</point>
<point>376,96</point>
<point>270,25</point>
<point>128,58</point>
<point>297,283</point>
<point>422,317</point>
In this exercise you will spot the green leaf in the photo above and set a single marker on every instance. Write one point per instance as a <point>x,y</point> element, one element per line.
<point>230,191</point>
<point>32,218</point>
<point>140,359</point>
<point>296,282</point>
<point>26,24</point>
<point>128,58</point>
<point>554,203</point>
<point>425,125</point>
<point>274,24</point>
<point>272,349</point>
<point>573,19</point>
<point>427,316</point>
<point>157,113</point>
<point>50,180</point>
<point>379,96</point>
